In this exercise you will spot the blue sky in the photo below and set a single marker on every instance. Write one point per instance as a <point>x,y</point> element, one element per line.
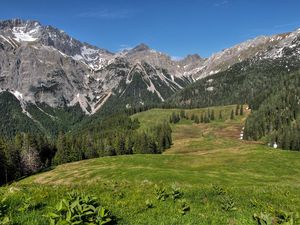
<point>172,26</point>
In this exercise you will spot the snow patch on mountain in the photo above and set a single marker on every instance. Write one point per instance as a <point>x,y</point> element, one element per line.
<point>23,34</point>
<point>23,102</point>
<point>14,45</point>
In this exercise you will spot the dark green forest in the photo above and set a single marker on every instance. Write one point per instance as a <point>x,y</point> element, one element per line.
<point>278,116</point>
<point>26,154</point>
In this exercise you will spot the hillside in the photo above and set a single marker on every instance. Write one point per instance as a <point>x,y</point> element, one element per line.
<point>224,180</point>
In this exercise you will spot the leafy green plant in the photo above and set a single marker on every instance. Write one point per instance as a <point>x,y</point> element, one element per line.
<point>176,193</point>
<point>218,190</point>
<point>263,219</point>
<point>279,217</point>
<point>4,219</point>
<point>254,202</point>
<point>27,204</point>
<point>3,207</point>
<point>228,204</point>
<point>149,204</point>
<point>80,209</point>
<point>184,207</point>
<point>161,193</point>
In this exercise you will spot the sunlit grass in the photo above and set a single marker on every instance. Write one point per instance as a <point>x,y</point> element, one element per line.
<point>203,156</point>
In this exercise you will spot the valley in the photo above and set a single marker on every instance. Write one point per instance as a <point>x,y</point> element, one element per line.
<point>138,136</point>
<point>224,180</point>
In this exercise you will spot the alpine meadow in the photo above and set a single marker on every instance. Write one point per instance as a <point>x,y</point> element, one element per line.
<point>136,136</point>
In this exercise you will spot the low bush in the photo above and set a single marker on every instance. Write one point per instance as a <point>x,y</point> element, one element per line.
<point>80,209</point>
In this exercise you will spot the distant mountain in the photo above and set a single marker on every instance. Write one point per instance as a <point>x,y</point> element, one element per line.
<point>45,67</point>
<point>240,73</point>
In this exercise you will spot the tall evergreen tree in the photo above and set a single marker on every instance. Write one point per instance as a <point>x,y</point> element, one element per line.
<point>62,153</point>
<point>242,110</point>
<point>237,110</point>
<point>220,115</point>
<point>232,115</point>
<point>202,118</point>
<point>197,119</point>
<point>212,115</point>
<point>3,163</point>
<point>182,114</point>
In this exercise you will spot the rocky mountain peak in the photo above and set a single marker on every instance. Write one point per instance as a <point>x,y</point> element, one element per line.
<point>44,64</point>
<point>17,23</point>
<point>139,48</point>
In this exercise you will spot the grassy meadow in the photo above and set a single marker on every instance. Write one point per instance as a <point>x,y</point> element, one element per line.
<point>220,179</point>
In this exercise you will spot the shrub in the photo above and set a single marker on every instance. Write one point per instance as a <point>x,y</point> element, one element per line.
<point>184,207</point>
<point>228,204</point>
<point>149,204</point>
<point>279,217</point>
<point>4,219</point>
<point>176,193</point>
<point>161,193</point>
<point>80,209</point>
<point>218,190</point>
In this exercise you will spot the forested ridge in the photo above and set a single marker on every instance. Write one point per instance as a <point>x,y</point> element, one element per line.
<point>28,153</point>
<point>278,117</point>
<point>270,88</point>
<point>246,82</point>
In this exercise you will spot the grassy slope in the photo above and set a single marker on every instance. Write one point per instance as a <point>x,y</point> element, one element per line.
<point>202,156</point>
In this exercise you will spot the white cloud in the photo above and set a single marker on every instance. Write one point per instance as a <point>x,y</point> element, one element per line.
<point>108,14</point>
<point>221,3</point>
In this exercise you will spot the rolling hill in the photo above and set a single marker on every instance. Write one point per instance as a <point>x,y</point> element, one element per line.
<point>220,179</point>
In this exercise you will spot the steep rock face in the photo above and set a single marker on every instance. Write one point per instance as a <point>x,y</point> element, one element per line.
<point>45,65</point>
<point>41,64</point>
<point>178,68</point>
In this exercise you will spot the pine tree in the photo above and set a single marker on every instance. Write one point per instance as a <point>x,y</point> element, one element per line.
<point>193,117</point>
<point>220,115</point>
<point>3,163</point>
<point>242,110</point>
<point>208,115</point>
<point>182,114</point>
<point>206,118</point>
<point>62,154</point>
<point>30,157</point>
<point>14,163</point>
<point>212,115</point>
<point>129,145</point>
<point>120,145</point>
<point>237,110</point>
<point>232,115</point>
<point>152,147</point>
<point>197,119</point>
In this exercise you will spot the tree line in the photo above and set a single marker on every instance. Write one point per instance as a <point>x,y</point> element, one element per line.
<point>205,116</point>
<point>26,153</point>
<point>278,117</point>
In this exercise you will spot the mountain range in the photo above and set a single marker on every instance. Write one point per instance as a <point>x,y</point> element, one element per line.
<point>44,68</point>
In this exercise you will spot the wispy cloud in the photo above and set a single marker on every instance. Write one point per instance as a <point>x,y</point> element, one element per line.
<point>108,14</point>
<point>221,3</point>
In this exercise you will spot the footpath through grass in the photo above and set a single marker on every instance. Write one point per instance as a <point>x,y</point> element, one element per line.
<point>218,179</point>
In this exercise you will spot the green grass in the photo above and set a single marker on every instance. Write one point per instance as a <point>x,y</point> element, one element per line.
<point>203,159</point>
